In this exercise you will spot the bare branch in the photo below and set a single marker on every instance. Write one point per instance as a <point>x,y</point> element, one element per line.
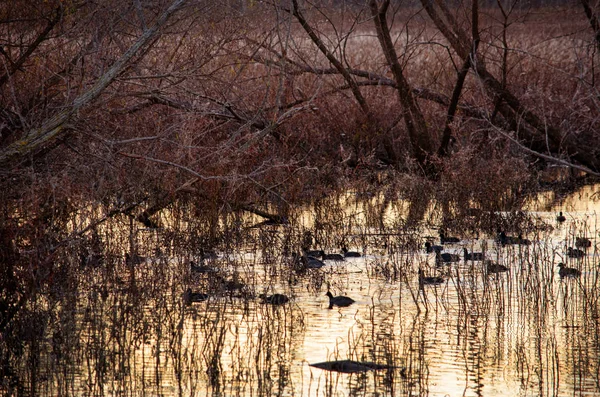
<point>593,18</point>
<point>55,126</point>
<point>38,40</point>
<point>334,61</point>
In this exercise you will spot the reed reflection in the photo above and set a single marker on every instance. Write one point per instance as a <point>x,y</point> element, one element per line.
<point>108,323</point>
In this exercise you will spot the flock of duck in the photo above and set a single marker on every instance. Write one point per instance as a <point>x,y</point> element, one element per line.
<point>309,259</point>
<point>314,259</point>
<point>442,258</point>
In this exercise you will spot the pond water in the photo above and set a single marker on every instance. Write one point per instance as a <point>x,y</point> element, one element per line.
<point>125,329</point>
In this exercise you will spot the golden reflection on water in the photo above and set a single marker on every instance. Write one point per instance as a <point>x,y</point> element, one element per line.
<point>524,332</point>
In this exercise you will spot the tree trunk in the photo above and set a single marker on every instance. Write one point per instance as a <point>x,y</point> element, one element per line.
<point>413,117</point>
<point>36,139</point>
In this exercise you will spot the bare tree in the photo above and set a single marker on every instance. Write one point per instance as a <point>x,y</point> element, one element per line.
<point>541,136</point>
<point>36,139</point>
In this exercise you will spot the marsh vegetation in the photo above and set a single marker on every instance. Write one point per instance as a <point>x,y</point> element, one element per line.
<point>100,324</point>
<point>182,183</point>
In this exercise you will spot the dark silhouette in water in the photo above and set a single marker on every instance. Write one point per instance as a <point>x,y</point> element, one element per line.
<point>332,257</point>
<point>447,239</point>
<point>512,240</point>
<point>222,284</point>
<point>310,262</point>
<point>432,280</point>
<point>350,366</point>
<point>314,253</point>
<point>567,271</point>
<point>442,258</point>
<point>583,242</point>
<point>275,299</point>
<point>432,248</point>
<point>341,301</point>
<point>560,218</point>
<point>350,254</point>
<point>575,253</point>
<point>190,297</point>
<point>473,256</point>
<point>493,267</point>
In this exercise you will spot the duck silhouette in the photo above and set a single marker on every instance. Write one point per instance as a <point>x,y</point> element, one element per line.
<point>441,258</point>
<point>493,267</point>
<point>303,262</point>
<point>583,242</point>
<point>512,240</point>
<point>332,257</point>
<point>190,297</point>
<point>311,262</point>
<point>340,301</point>
<point>313,253</point>
<point>567,271</point>
<point>473,256</point>
<point>350,254</point>
<point>230,285</point>
<point>575,253</point>
<point>560,218</point>
<point>275,299</point>
<point>523,241</point>
<point>444,239</point>
<point>429,280</point>
<point>432,248</point>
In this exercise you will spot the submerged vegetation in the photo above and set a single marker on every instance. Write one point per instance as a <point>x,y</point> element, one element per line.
<point>166,169</point>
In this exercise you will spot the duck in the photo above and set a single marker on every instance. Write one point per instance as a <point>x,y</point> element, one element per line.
<point>350,254</point>
<point>310,262</point>
<point>447,239</point>
<point>567,271</point>
<point>523,241</point>
<point>340,301</point>
<point>429,248</point>
<point>190,297</point>
<point>493,267</point>
<point>441,258</point>
<point>275,299</point>
<point>560,218</point>
<point>303,262</point>
<point>313,253</point>
<point>512,240</point>
<point>583,242</point>
<point>575,253</point>
<point>228,285</point>
<point>351,367</point>
<point>431,280</point>
<point>332,257</point>
<point>473,256</point>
